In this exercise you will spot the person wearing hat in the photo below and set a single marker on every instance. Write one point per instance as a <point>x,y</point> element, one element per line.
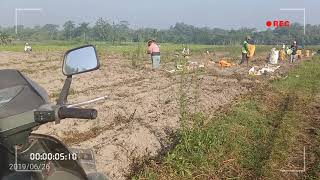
<point>154,51</point>
<point>245,50</point>
<point>294,48</point>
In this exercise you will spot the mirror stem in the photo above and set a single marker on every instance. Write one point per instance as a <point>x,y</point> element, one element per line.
<point>63,97</point>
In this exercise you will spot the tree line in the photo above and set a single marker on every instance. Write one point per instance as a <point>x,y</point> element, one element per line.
<point>117,33</point>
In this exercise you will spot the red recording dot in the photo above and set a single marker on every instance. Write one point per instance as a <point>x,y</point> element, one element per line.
<point>269,23</point>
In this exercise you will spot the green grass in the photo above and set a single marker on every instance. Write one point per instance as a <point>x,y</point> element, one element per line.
<point>127,49</point>
<point>117,48</point>
<point>258,136</point>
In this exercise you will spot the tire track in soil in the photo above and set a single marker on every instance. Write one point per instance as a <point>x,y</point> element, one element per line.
<point>308,137</point>
<point>282,109</point>
<point>313,135</point>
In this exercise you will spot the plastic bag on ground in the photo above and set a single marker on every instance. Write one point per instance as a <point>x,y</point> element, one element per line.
<point>274,56</point>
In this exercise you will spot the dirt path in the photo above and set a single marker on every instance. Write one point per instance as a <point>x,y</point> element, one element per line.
<point>144,106</point>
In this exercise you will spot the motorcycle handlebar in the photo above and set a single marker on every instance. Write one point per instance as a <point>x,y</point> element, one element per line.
<point>65,112</point>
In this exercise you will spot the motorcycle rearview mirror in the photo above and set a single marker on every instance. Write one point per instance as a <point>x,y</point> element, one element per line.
<point>80,60</point>
<point>76,61</point>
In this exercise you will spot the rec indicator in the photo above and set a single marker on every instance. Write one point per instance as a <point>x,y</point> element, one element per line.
<point>278,23</point>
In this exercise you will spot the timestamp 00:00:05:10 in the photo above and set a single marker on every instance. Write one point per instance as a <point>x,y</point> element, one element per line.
<point>53,156</point>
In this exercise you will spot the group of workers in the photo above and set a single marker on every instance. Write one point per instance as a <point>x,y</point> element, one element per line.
<point>248,49</point>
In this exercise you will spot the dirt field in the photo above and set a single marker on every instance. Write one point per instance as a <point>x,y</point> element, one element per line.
<point>144,107</point>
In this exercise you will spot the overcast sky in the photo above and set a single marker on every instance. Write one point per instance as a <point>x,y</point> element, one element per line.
<point>161,14</point>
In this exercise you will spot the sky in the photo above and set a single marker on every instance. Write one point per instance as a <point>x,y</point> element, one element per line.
<point>226,14</point>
